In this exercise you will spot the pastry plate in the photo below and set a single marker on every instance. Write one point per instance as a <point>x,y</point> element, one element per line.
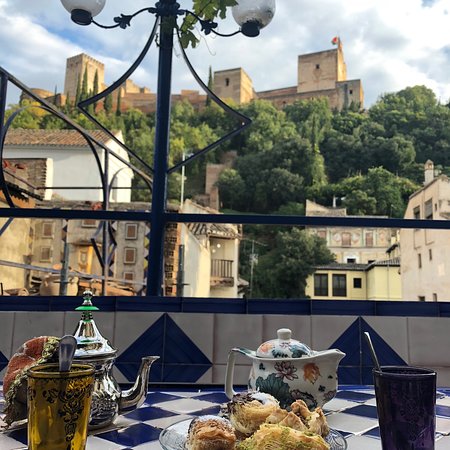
<point>174,437</point>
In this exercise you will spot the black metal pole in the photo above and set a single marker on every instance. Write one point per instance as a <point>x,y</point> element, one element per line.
<point>160,158</point>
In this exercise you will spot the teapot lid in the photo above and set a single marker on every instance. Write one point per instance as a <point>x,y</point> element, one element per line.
<point>283,347</point>
<point>90,343</point>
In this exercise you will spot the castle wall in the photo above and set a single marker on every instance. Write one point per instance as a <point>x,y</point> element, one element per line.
<point>320,71</point>
<point>75,68</point>
<point>234,84</point>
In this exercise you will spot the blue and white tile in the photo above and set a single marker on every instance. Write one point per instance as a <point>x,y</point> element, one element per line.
<point>327,329</point>
<point>429,341</point>
<point>28,325</point>
<point>236,330</point>
<point>200,330</point>
<point>299,325</point>
<point>363,442</point>
<point>394,331</point>
<point>130,326</point>
<point>6,334</point>
<point>351,423</point>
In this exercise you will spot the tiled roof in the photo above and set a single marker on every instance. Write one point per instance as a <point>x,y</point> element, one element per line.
<point>386,262</point>
<point>394,262</point>
<point>52,138</point>
<point>342,266</point>
<point>223,230</point>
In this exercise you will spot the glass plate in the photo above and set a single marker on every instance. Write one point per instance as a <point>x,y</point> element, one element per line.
<point>174,436</point>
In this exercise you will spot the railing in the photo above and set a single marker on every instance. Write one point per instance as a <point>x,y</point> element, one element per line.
<point>222,268</point>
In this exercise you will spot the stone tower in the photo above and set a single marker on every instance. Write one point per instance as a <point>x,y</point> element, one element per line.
<point>321,70</point>
<point>233,84</point>
<point>75,67</point>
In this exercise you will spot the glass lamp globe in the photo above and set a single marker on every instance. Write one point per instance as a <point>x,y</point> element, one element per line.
<point>82,11</point>
<point>252,15</point>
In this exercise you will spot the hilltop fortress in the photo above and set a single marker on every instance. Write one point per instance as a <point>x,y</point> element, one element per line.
<point>319,74</point>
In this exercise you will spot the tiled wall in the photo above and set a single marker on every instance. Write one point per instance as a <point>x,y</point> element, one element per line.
<point>194,346</point>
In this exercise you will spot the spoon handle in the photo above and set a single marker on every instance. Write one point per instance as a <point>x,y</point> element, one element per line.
<point>372,351</point>
<point>67,347</point>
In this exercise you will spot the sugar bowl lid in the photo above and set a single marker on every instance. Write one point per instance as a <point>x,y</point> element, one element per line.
<point>90,343</point>
<point>283,347</point>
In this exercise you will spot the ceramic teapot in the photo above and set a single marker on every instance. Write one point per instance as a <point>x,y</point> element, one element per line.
<point>108,399</point>
<point>289,370</point>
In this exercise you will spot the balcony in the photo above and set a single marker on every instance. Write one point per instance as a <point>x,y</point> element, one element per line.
<point>222,273</point>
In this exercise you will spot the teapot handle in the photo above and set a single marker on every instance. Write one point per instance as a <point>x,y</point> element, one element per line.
<point>229,390</point>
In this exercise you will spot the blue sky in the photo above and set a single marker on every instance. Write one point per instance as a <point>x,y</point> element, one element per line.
<point>389,44</point>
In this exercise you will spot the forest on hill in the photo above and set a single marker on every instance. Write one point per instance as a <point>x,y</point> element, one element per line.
<point>371,161</point>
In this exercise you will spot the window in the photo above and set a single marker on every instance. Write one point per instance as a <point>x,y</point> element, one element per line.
<point>346,239</point>
<point>129,276</point>
<point>322,234</point>
<point>88,223</point>
<point>369,239</point>
<point>339,286</point>
<point>357,283</point>
<point>317,66</point>
<point>351,91</point>
<point>419,260</point>
<point>421,298</point>
<point>131,231</point>
<point>430,254</point>
<point>227,81</point>
<point>429,209</point>
<point>129,256</point>
<point>416,212</point>
<point>321,285</point>
<point>434,297</point>
<point>47,230</point>
<point>83,257</point>
<point>351,260</point>
<point>46,254</point>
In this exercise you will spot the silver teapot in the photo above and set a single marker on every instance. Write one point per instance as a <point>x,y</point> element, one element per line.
<point>108,400</point>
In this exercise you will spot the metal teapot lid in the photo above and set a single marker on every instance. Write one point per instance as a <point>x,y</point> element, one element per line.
<point>90,343</point>
<point>283,347</point>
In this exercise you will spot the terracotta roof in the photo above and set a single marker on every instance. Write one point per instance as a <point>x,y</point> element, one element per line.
<point>52,138</point>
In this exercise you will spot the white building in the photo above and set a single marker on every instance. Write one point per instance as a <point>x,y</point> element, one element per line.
<point>211,256</point>
<point>425,262</point>
<point>70,163</point>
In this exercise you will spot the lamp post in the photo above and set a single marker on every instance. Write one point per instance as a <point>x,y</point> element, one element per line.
<point>251,16</point>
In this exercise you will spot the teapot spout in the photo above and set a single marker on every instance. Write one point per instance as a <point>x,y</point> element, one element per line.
<point>134,397</point>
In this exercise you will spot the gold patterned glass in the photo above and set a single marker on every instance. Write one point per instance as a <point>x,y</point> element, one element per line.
<point>59,405</point>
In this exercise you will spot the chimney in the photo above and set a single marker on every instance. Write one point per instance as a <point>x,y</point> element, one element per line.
<point>428,172</point>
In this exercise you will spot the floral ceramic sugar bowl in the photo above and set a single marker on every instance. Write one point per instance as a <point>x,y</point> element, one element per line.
<point>289,370</point>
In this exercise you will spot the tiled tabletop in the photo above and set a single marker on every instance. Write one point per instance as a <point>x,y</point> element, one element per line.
<point>352,412</point>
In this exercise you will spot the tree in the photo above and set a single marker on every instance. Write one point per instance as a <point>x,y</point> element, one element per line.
<point>205,9</point>
<point>231,188</point>
<point>282,272</point>
<point>108,104</point>
<point>84,94</point>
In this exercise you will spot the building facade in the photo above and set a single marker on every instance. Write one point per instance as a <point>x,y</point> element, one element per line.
<point>352,245</point>
<point>426,253</point>
<point>211,260</point>
<point>70,164</point>
<point>379,280</point>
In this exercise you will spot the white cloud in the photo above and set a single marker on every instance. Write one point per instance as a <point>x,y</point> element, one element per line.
<point>389,44</point>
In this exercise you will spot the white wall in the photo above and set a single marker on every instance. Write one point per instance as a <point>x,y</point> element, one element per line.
<point>76,166</point>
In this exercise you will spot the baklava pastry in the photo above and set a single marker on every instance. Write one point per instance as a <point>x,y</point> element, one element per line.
<point>210,433</point>
<point>247,411</point>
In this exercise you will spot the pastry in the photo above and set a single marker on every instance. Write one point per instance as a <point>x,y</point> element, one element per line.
<point>248,410</point>
<point>278,437</point>
<point>210,433</point>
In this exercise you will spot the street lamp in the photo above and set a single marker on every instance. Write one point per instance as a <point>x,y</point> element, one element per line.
<point>251,16</point>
